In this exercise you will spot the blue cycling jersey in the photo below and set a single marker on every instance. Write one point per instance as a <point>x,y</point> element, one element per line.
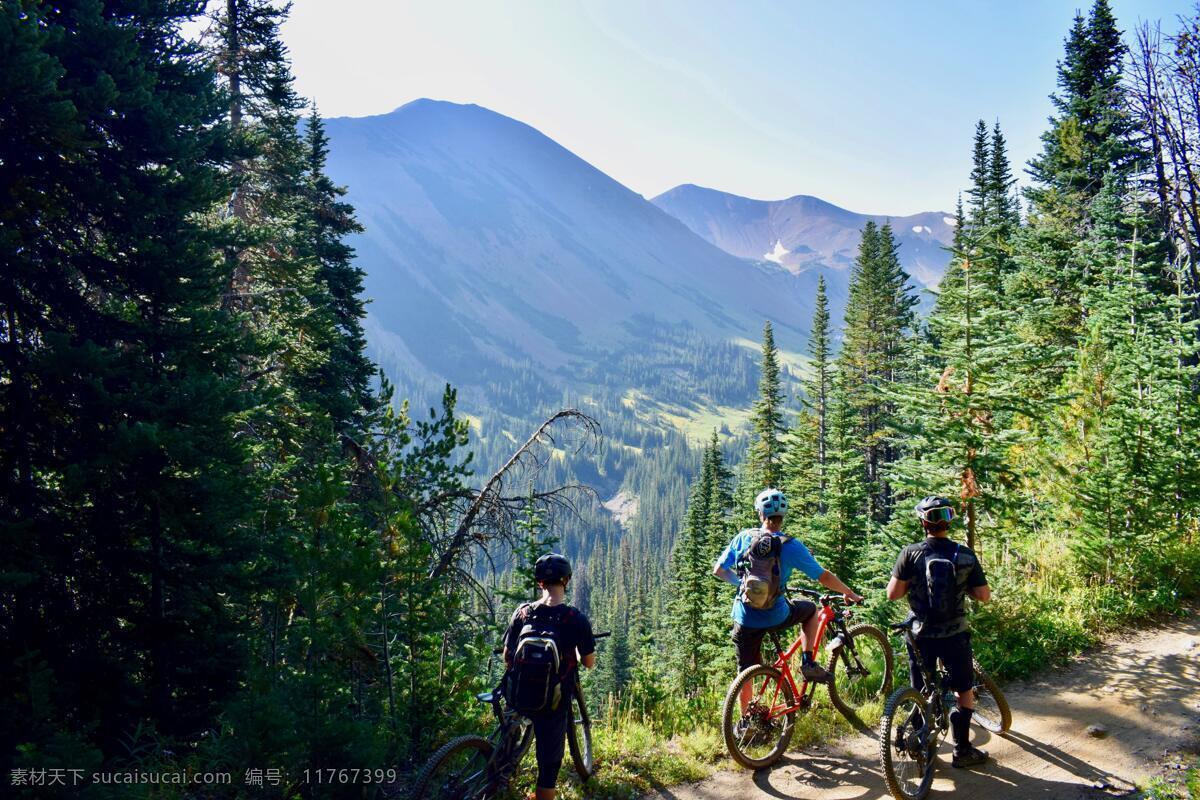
<point>793,556</point>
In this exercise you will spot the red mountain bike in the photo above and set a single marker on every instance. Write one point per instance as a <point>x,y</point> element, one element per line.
<point>760,709</point>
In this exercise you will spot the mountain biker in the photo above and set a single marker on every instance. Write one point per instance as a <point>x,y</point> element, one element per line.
<point>571,632</point>
<point>751,624</point>
<point>938,601</point>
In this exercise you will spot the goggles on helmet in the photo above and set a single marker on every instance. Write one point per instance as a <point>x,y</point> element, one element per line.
<point>940,514</point>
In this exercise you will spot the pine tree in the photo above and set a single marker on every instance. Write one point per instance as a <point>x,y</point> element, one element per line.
<point>818,388</point>
<point>692,569</point>
<point>343,373</point>
<point>1127,407</point>
<point>123,504</point>
<point>879,319</point>
<point>1006,207</point>
<point>837,536</point>
<point>1090,133</point>
<point>983,212</point>
<point>765,459</point>
<point>956,413</point>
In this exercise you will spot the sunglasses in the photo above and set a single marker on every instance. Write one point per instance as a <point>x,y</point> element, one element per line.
<point>943,514</point>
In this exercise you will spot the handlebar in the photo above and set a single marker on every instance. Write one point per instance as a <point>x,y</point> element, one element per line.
<point>824,599</point>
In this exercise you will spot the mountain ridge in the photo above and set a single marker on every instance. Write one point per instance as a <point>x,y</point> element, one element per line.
<point>804,232</point>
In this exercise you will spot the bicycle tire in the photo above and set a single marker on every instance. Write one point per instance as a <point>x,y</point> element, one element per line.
<point>994,716</point>
<point>579,738</point>
<point>848,710</point>
<point>732,715</point>
<point>887,730</point>
<point>477,786</point>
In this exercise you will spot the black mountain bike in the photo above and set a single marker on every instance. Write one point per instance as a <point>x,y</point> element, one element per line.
<point>481,768</point>
<point>914,723</point>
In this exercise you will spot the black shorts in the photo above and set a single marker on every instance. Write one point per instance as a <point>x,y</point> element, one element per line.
<point>549,741</point>
<point>955,654</point>
<point>749,640</point>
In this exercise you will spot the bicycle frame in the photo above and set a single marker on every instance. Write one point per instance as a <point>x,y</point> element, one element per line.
<point>934,690</point>
<point>825,616</point>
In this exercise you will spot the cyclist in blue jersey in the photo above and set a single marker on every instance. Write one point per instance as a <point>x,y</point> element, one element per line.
<point>757,610</point>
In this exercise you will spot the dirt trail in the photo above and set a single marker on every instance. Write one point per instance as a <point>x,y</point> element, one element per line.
<point>1145,690</point>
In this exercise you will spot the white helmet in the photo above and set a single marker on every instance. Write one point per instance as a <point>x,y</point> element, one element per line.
<point>771,503</point>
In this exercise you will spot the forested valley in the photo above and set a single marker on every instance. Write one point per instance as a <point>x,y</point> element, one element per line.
<point>231,543</point>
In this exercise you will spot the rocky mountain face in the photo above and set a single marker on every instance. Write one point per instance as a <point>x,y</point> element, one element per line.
<point>488,245</point>
<point>804,233</point>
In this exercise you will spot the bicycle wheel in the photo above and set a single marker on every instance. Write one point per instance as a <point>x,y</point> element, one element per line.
<point>907,744</point>
<point>757,736</point>
<point>865,663</point>
<point>459,770</point>
<point>579,737</point>
<point>991,707</point>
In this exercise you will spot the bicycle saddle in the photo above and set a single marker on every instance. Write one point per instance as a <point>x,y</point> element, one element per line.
<point>486,697</point>
<point>906,625</point>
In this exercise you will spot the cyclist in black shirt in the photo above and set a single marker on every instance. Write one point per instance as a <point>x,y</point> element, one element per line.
<point>937,575</point>
<point>572,634</point>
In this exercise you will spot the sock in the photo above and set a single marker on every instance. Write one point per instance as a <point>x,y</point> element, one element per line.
<point>806,658</point>
<point>960,726</point>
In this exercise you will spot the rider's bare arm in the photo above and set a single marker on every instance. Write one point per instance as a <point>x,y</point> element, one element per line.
<point>981,594</point>
<point>831,581</point>
<point>589,660</point>
<point>727,575</point>
<point>896,588</point>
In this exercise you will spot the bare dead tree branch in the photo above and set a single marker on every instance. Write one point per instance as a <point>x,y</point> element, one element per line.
<point>491,514</point>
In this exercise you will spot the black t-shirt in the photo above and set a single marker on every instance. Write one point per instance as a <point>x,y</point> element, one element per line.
<point>910,567</point>
<point>569,627</point>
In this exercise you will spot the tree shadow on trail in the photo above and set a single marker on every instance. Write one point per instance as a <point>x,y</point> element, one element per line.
<point>1009,777</point>
<point>799,776</point>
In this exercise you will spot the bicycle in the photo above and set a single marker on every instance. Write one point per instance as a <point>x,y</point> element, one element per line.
<point>474,767</point>
<point>759,713</point>
<point>914,723</point>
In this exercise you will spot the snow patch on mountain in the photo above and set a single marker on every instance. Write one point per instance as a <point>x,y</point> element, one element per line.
<point>949,221</point>
<point>778,253</point>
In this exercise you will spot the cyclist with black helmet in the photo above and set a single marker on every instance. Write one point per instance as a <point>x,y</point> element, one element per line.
<point>759,562</point>
<point>937,575</point>
<point>549,623</point>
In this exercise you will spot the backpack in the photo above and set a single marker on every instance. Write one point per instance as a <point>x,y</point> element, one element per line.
<point>941,581</point>
<point>534,680</point>
<point>759,567</point>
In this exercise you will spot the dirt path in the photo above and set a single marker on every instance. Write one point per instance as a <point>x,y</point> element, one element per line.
<point>1145,691</point>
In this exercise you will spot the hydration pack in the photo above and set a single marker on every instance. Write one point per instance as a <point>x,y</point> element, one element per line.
<point>941,580</point>
<point>534,680</point>
<point>759,567</point>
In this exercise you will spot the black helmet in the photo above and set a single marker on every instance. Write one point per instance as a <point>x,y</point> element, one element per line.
<point>552,568</point>
<point>929,509</point>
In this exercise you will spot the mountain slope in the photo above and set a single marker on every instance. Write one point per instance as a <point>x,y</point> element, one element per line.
<point>805,233</point>
<point>487,245</point>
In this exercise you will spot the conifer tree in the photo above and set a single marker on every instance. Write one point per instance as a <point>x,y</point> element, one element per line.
<point>123,504</point>
<point>818,388</point>
<point>692,570</point>
<point>765,459</point>
<point>837,536</point>
<point>875,353</point>
<point>1089,134</point>
<point>1128,407</point>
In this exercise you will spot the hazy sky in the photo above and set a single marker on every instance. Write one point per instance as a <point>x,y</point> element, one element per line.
<point>870,105</point>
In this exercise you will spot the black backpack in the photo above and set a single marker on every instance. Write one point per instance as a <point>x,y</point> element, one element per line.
<point>941,584</point>
<point>533,683</point>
